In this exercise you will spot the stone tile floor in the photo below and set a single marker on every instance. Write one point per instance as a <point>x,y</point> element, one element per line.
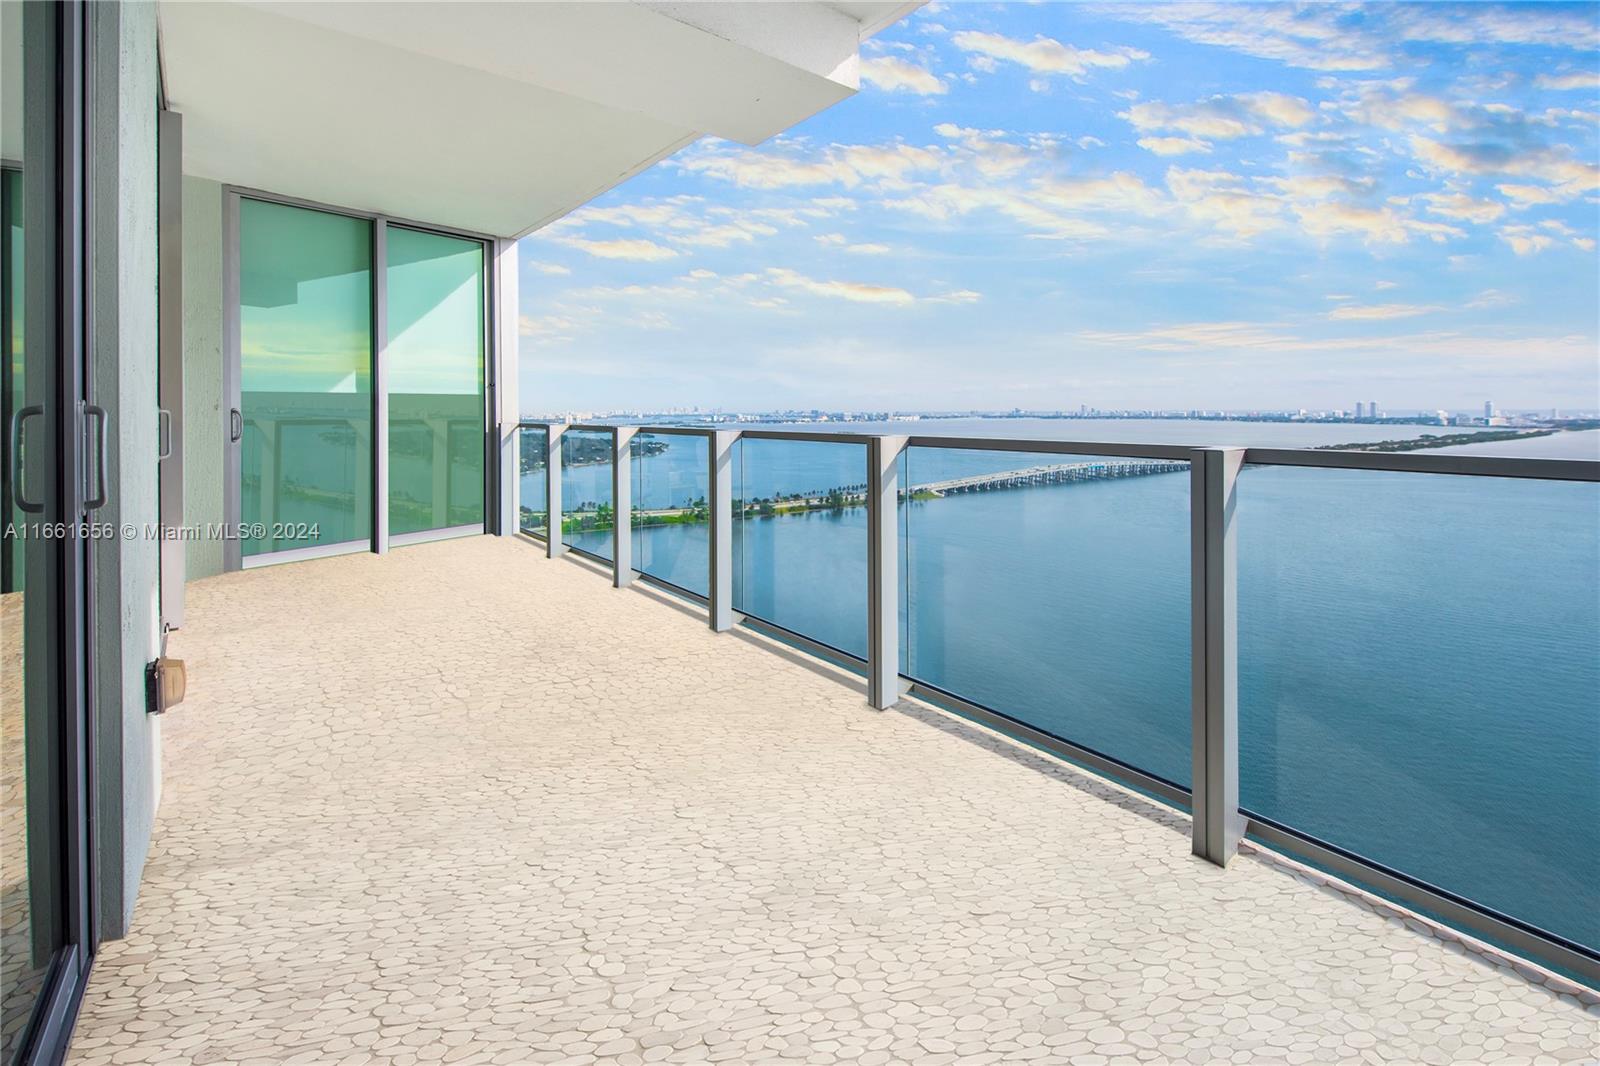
<point>463,804</point>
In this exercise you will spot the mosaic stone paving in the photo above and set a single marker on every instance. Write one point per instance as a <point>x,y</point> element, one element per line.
<point>464,804</point>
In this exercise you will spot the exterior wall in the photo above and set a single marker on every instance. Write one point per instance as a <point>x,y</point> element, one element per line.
<point>126,569</point>
<point>202,369</point>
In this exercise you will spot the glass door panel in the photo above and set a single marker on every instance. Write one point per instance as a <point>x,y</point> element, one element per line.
<point>305,346</point>
<point>45,934</point>
<point>433,366</point>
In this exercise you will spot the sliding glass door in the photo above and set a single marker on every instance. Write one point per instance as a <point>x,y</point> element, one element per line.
<point>358,365</point>
<point>433,370</point>
<point>47,932</point>
<point>305,379</point>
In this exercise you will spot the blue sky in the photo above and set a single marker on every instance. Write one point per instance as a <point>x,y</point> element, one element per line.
<point>1048,205</point>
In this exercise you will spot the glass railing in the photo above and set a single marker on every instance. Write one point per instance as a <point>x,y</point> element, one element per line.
<point>800,538</point>
<point>1054,589</point>
<point>1419,678</point>
<point>1395,658</point>
<point>533,505</point>
<point>587,520</point>
<point>671,509</point>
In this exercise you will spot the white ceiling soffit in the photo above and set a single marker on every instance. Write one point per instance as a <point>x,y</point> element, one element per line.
<point>490,117</point>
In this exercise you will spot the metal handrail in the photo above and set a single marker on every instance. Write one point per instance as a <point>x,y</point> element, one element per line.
<point>1326,458</point>
<point>1414,463</point>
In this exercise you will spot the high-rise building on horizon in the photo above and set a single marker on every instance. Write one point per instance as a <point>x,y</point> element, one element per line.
<point>1372,409</point>
<point>1361,410</point>
<point>1488,409</point>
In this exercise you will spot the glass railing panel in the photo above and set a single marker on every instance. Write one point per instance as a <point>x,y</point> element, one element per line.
<point>1054,589</point>
<point>800,538</point>
<point>533,447</point>
<point>1419,678</point>
<point>586,514</point>
<point>671,529</point>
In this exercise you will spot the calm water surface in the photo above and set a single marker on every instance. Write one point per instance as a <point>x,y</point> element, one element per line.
<point>1419,654</point>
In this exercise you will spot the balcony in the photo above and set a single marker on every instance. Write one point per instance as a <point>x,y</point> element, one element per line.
<point>881,746</point>
<point>463,803</point>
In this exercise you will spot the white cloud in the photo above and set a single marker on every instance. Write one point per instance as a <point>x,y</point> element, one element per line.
<point>1490,298</point>
<point>1531,240</point>
<point>547,327</point>
<point>1529,195</point>
<point>722,236</point>
<point>844,244</point>
<point>1270,340</point>
<point>1555,166</point>
<point>635,249</point>
<point>550,268</point>
<point>959,296</point>
<point>1379,312</point>
<point>854,291</point>
<point>1222,117</point>
<point>1586,79</point>
<point>1377,107</point>
<point>1349,37</point>
<point>1043,55</point>
<point>1374,225</point>
<point>893,74</point>
<point>862,292</point>
<point>1172,145</point>
<point>846,165</point>
<point>1298,37</point>
<point>1462,207</point>
<point>1224,200</point>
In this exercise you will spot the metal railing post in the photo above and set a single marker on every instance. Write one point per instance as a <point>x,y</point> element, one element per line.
<point>622,506</point>
<point>883,570</point>
<point>380,389</point>
<point>720,503</point>
<point>1213,473</point>
<point>552,491</point>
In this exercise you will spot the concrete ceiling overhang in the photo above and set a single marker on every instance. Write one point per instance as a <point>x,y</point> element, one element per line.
<point>490,117</point>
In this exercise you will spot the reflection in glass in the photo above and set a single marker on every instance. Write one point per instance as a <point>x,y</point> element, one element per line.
<point>800,538</point>
<point>23,954</point>
<point>1419,678</point>
<point>13,363</point>
<point>533,448</point>
<point>671,530</point>
<point>305,341</point>
<point>1054,589</point>
<point>587,518</point>
<point>35,824</point>
<point>434,374</point>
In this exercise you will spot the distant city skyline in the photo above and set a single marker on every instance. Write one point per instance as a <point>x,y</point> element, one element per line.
<point>1139,207</point>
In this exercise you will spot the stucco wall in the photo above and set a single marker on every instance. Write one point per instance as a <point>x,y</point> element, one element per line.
<point>202,369</point>
<point>127,625</point>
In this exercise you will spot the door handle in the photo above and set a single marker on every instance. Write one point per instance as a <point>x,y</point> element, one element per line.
<point>18,423</point>
<point>97,498</point>
<point>163,434</point>
<point>235,425</point>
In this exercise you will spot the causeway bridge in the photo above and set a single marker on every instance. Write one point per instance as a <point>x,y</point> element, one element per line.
<point>1054,474</point>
